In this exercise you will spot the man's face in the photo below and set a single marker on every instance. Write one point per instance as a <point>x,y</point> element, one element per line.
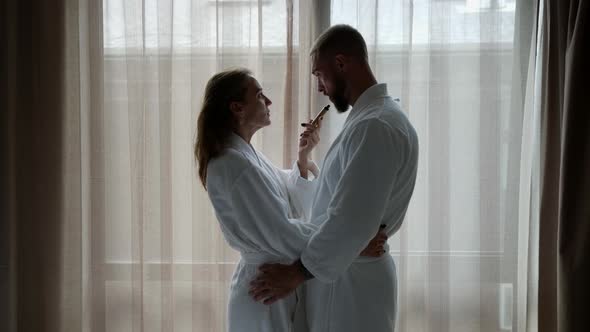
<point>331,82</point>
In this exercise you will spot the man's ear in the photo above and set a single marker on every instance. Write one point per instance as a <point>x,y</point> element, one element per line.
<point>341,61</point>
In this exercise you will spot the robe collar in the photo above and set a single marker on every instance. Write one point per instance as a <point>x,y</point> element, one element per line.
<point>367,98</point>
<point>238,143</point>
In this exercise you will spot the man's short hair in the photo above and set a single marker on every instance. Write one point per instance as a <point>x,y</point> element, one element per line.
<point>341,39</point>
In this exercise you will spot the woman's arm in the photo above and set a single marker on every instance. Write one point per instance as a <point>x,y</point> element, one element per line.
<point>308,140</point>
<point>263,218</point>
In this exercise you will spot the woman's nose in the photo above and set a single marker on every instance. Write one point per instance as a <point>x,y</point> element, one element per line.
<point>268,101</point>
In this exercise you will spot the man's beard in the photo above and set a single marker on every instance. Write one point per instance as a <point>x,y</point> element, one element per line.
<point>338,98</point>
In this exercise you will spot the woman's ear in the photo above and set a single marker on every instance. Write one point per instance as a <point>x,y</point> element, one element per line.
<point>237,110</point>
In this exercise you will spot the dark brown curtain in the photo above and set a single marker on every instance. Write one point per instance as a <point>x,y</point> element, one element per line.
<point>32,38</point>
<point>564,260</point>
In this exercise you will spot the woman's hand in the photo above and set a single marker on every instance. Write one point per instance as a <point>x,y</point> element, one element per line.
<point>375,247</point>
<point>309,139</point>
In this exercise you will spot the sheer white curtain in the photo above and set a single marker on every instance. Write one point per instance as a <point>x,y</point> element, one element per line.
<point>148,251</point>
<point>160,260</point>
<point>459,68</point>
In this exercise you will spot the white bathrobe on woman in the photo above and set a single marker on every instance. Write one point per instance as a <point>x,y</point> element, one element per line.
<point>367,179</point>
<point>263,213</point>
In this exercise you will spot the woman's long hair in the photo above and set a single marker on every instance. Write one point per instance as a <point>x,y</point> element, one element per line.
<point>216,123</point>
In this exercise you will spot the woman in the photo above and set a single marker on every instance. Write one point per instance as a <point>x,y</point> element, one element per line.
<point>261,209</point>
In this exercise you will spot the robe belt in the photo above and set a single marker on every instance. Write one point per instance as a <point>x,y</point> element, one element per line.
<point>263,257</point>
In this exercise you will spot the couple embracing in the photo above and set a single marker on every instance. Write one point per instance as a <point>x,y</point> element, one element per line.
<point>313,241</point>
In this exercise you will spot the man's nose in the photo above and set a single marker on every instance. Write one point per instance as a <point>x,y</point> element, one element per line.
<point>320,87</point>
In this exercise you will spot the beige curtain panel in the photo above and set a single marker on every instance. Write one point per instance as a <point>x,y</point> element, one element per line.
<point>565,212</point>
<point>105,226</point>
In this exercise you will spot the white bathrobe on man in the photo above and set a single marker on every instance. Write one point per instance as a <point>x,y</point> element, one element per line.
<point>367,179</point>
<point>263,212</point>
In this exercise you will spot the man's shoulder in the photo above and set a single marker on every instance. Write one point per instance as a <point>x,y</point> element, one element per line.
<point>389,112</point>
<point>384,112</point>
<point>383,118</point>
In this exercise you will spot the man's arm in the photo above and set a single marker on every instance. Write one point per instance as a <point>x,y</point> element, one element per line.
<point>372,159</point>
<point>373,156</point>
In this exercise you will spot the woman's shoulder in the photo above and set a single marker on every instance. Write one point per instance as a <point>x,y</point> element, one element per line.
<point>229,165</point>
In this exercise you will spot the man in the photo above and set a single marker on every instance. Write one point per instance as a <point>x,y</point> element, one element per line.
<point>366,181</point>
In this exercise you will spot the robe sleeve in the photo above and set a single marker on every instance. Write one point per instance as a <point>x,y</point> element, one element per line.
<point>263,216</point>
<point>300,190</point>
<point>371,158</point>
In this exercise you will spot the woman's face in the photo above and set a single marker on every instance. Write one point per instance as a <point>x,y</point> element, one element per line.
<point>253,112</point>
